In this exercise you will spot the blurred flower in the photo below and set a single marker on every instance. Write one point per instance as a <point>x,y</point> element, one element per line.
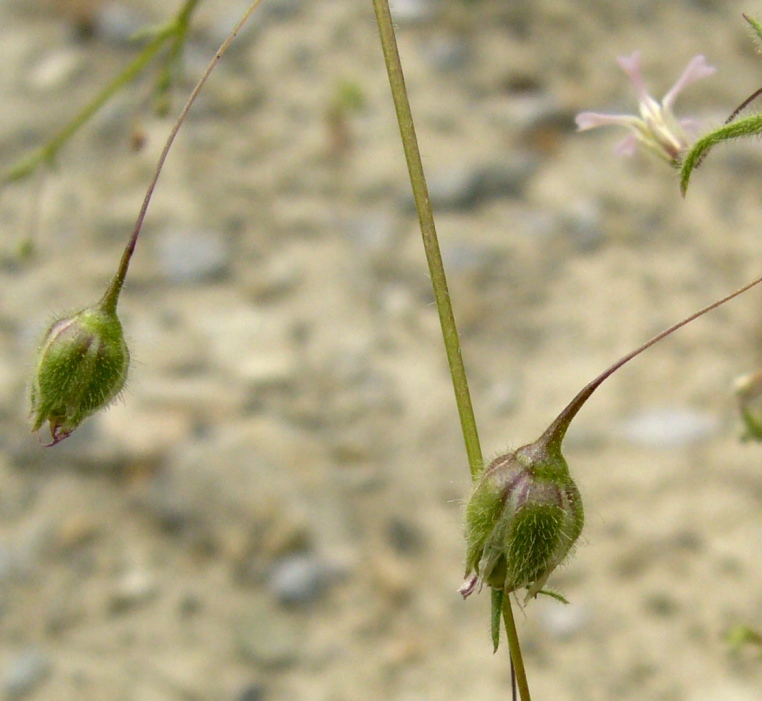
<point>748,391</point>
<point>656,128</point>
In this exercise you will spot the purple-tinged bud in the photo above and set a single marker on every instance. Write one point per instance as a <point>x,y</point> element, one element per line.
<point>81,367</point>
<point>522,520</point>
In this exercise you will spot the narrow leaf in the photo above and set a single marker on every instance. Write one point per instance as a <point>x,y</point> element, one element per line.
<point>748,126</point>
<point>755,25</point>
<point>497,608</point>
<point>554,595</point>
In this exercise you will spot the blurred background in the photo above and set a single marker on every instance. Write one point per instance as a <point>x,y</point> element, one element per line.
<point>273,510</point>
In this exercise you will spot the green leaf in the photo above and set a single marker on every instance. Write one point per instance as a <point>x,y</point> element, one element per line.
<point>554,595</point>
<point>755,25</point>
<point>748,126</point>
<point>497,608</point>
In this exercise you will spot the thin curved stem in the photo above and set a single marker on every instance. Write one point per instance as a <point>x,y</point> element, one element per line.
<point>111,297</point>
<point>555,433</point>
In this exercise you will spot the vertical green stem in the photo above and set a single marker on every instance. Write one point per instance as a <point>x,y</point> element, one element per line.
<point>430,242</point>
<point>513,643</point>
<point>439,283</point>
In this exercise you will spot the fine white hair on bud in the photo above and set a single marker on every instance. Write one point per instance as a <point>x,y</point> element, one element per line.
<point>522,520</point>
<point>81,367</point>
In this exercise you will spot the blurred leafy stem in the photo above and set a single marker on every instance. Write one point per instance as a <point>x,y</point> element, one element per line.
<point>176,31</point>
<point>441,293</point>
<point>732,129</point>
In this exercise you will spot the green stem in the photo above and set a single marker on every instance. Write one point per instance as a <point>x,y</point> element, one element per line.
<point>555,433</point>
<point>111,297</point>
<point>430,242</point>
<point>182,26</point>
<point>47,152</point>
<point>439,283</point>
<point>177,28</point>
<point>513,642</point>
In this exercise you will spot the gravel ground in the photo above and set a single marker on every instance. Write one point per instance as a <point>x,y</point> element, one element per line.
<point>273,511</point>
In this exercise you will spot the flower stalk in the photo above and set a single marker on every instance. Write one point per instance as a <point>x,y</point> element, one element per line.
<point>83,360</point>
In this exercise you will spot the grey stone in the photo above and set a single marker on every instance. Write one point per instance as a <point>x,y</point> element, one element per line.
<point>464,186</point>
<point>117,23</point>
<point>252,692</point>
<point>583,225</point>
<point>24,672</point>
<point>411,11</point>
<point>668,427</point>
<point>447,53</point>
<point>188,257</point>
<point>299,579</point>
<point>268,637</point>
<point>563,621</point>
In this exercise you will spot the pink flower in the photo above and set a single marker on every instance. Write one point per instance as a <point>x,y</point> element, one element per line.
<point>656,128</point>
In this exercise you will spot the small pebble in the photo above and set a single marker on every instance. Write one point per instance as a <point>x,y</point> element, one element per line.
<point>25,672</point>
<point>374,234</point>
<point>56,70</point>
<point>7,564</point>
<point>252,692</point>
<point>726,692</point>
<point>134,588</point>
<point>668,427</point>
<point>117,23</point>
<point>464,186</point>
<point>282,9</point>
<point>299,579</point>
<point>447,53</point>
<point>563,621</point>
<point>584,225</point>
<point>505,396</point>
<point>188,257</point>
<point>405,537</point>
<point>268,638</point>
<point>410,11</point>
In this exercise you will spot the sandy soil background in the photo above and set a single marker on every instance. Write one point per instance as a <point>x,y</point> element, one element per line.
<point>274,509</point>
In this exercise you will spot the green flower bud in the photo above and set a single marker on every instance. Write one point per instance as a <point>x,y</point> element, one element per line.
<point>748,390</point>
<point>81,367</point>
<point>522,520</point>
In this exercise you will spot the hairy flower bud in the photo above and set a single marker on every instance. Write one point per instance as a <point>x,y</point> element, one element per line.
<point>748,390</point>
<point>81,367</point>
<point>522,520</point>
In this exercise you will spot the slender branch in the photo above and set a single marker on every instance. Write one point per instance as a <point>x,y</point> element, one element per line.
<point>555,433</point>
<point>111,297</point>
<point>47,152</point>
<point>429,234</point>
<point>513,642</point>
<point>743,105</point>
<point>182,26</point>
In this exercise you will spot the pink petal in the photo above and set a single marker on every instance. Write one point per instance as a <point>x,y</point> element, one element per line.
<point>469,586</point>
<point>631,66</point>
<point>696,69</point>
<point>627,146</point>
<point>690,126</point>
<point>592,120</point>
